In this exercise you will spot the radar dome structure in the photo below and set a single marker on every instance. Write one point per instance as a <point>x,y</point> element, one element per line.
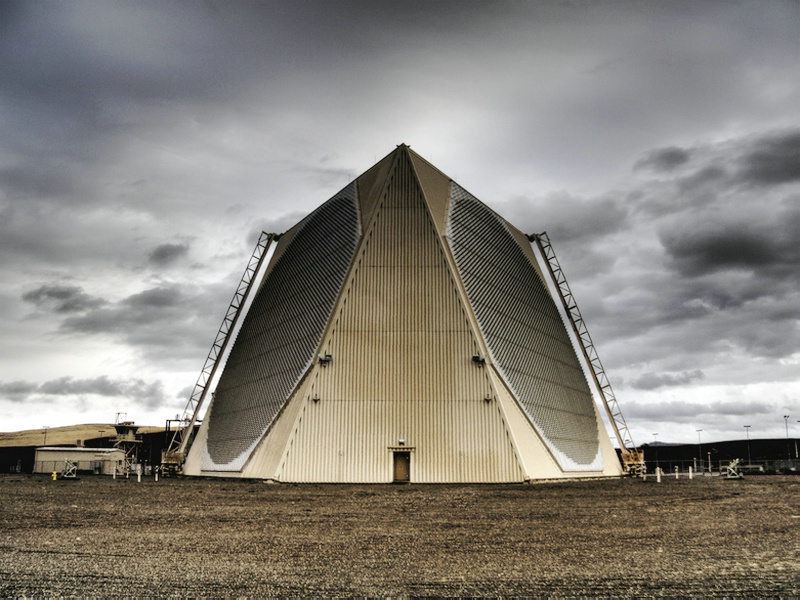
<point>403,331</point>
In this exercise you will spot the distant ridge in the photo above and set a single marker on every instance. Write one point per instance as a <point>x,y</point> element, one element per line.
<point>67,435</point>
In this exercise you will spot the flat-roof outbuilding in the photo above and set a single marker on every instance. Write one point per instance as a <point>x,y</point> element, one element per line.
<point>101,461</point>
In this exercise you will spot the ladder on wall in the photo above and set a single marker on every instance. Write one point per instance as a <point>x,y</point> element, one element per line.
<point>632,458</point>
<point>174,455</point>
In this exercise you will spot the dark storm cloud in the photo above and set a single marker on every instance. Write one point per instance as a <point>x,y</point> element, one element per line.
<point>702,251</point>
<point>737,170</point>
<point>566,217</point>
<point>652,381</point>
<point>773,160</point>
<point>170,321</point>
<point>62,298</point>
<point>19,182</point>
<point>144,310</point>
<point>718,276</point>
<point>704,179</point>
<point>770,249</point>
<point>72,55</point>
<point>93,62</point>
<point>167,254</point>
<point>725,276</point>
<point>148,394</point>
<point>663,159</point>
<point>684,412</point>
<point>721,292</point>
<point>126,125</point>
<point>17,391</point>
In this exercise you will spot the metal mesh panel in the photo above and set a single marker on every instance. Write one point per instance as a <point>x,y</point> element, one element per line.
<point>282,330</point>
<point>526,337</point>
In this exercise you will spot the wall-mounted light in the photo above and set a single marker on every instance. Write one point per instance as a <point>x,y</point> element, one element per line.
<point>324,359</point>
<point>316,398</point>
<point>479,359</point>
<point>487,398</point>
<point>401,442</point>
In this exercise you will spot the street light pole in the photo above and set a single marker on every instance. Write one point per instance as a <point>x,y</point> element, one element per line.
<point>700,449</point>
<point>45,428</point>
<point>655,447</point>
<point>788,450</point>
<point>747,429</point>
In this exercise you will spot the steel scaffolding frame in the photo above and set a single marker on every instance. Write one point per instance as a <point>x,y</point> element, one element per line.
<point>632,458</point>
<point>176,451</point>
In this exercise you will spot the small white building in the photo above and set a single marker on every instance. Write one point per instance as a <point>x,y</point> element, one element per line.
<point>101,461</point>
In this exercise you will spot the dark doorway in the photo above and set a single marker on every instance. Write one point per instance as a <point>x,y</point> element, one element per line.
<point>402,467</point>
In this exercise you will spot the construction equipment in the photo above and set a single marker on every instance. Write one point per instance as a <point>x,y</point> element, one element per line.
<point>70,470</point>
<point>733,470</point>
<point>632,458</point>
<point>174,455</point>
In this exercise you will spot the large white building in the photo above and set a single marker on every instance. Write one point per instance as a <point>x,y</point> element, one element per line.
<point>403,332</point>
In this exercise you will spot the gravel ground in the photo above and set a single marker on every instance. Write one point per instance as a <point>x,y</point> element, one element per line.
<point>183,537</point>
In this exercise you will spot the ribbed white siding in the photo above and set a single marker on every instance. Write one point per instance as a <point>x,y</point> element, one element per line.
<point>401,348</point>
<point>350,441</point>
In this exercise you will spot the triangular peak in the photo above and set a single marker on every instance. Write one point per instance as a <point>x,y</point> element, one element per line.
<point>436,188</point>
<point>434,185</point>
<point>371,183</point>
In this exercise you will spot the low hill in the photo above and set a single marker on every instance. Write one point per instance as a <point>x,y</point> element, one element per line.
<point>68,435</point>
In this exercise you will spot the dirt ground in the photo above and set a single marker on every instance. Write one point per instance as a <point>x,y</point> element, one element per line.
<point>183,537</point>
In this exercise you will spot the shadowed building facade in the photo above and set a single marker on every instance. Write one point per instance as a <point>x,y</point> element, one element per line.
<point>403,332</point>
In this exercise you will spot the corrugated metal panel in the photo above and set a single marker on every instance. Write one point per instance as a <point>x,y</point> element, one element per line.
<point>534,456</point>
<point>280,334</point>
<point>370,186</point>
<point>402,367</point>
<point>283,243</point>
<point>436,187</point>
<point>525,245</point>
<point>526,337</point>
<point>199,447</point>
<point>350,441</point>
<point>265,459</point>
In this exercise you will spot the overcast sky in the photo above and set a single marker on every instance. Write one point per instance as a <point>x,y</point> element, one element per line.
<point>143,146</point>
